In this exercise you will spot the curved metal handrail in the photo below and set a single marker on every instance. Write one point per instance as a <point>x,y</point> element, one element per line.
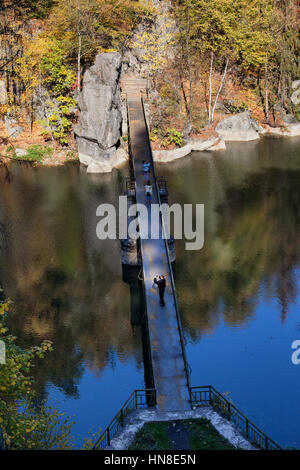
<point>259,438</point>
<point>119,419</point>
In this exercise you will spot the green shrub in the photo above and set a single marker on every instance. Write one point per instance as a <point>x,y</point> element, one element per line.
<point>35,153</point>
<point>24,424</point>
<point>72,155</point>
<point>235,108</point>
<point>9,152</point>
<point>59,123</point>
<point>174,137</point>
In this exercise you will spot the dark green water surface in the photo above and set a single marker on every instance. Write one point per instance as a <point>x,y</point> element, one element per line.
<point>238,296</point>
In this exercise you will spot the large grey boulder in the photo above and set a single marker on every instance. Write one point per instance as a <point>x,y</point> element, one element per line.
<point>295,98</point>
<point>99,128</point>
<point>240,127</point>
<point>12,127</point>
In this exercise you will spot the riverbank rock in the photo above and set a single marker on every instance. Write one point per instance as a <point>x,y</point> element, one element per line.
<point>20,152</point>
<point>100,120</point>
<point>195,145</point>
<point>288,130</point>
<point>240,127</point>
<point>295,98</point>
<point>166,156</point>
<point>118,159</point>
<point>212,144</point>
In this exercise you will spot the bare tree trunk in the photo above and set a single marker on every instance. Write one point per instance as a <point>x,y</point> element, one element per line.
<point>79,47</point>
<point>219,91</point>
<point>79,59</point>
<point>210,87</point>
<point>31,115</point>
<point>266,93</point>
<point>190,108</point>
<point>183,93</point>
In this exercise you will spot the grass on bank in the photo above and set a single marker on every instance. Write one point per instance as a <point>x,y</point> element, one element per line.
<point>152,436</point>
<point>34,153</point>
<point>199,434</point>
<point>204,436</point>
<point>37,153</point>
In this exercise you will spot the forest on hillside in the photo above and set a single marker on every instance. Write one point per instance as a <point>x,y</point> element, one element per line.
<point>187,48</point>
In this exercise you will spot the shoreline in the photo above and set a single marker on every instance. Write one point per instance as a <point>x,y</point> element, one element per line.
<point>218,142</point>
<point>56,160</point>
<point>212,144</point>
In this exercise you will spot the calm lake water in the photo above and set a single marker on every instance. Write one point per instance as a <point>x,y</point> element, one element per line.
<point>239,296</point>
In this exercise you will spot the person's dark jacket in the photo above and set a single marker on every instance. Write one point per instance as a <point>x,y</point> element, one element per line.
<point>161,284</point>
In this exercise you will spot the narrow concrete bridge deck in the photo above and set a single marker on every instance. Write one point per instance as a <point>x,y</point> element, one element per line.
<point>167,351</point>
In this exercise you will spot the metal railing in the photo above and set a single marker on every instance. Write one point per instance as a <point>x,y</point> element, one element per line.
<point>139,399</point>
<point>162,183</point>
<point>131,163</point>
<point>164,232</point>
<point>130,187</point>
<point>208,395</point>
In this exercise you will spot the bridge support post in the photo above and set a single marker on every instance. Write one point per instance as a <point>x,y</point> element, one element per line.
<point>247,428</point>
<point>135,397</point>
<point>266,443</point>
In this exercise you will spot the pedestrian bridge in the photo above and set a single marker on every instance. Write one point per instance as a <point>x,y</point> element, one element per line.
<point>169,365</point>
<point>171,388</point>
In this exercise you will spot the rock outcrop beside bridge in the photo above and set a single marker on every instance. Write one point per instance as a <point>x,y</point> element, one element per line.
<point>240,127</point>
<point>98,131</point>
<point>211,144</point>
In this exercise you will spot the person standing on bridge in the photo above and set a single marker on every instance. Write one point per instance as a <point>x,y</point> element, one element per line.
<point>148,192</point>
<point>146,169</point>
<point>161,283</point>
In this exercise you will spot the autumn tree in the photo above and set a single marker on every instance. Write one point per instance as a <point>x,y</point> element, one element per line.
<point>23,424</point>
<point>86,27</point>
<point>288,49</point>
<point>43,58</point>
<point>217,32</point>
<point>154,41</point>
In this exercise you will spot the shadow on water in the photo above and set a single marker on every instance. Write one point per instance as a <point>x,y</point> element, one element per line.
<point>131,276</point>
<point>66,286</point>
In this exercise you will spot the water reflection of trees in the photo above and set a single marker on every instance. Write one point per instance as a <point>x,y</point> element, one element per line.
<point>253,252</point>
<point>66,285</point>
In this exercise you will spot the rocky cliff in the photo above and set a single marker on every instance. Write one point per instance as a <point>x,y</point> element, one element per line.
<point>98,131</point>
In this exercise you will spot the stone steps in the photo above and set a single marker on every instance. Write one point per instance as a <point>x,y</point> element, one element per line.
<point>134,85</point>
